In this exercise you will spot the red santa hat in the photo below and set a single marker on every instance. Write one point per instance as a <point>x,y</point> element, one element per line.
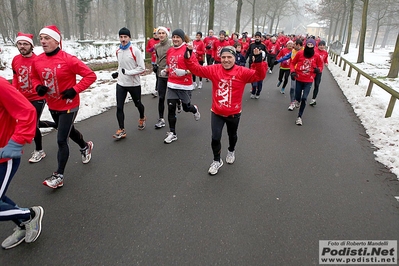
<point>167,30</point>
<point>53,32</point>
<point>25,37</point>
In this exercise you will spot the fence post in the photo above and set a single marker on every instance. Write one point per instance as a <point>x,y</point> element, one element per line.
<point>357,78</point>
<point>391,105</point>
<point>368,93</point>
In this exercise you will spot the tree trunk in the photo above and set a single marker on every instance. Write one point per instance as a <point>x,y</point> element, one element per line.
<point>148,18</point>
<point>386,34</point>
<point>360,58</point>
<point>348,39</point>
<point>336,26</point>
<point>65,20</point>
<point>377,29</point>
<point>238,15</point>
<point>211,14</point>
<point>14,15</point>
<point>31,18</point>
<point>253,17</point>
<point>394,69</point>
<point>341,30</point>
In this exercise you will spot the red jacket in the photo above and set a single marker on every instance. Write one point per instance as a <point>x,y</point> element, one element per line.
<point>208,42</point>
<point>273,48</point>
<point>304,67</point>
<point>228,85</point>
<point>199,50</point>
<point>285,64</point>
<point>323,56</point>
<point>14,107</point>
<point>22,76</point>
<point>217,47</point>
<point>175,60</point>
<point>58,72</point>
<point>150,49</point>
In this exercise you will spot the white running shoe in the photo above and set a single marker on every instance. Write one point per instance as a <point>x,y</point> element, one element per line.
<point>197,115</point>
<point>160,124</point>
<point>214,168</point>
<point>86,152</point>
<point>312,102</point>
<point>252,96</point>
<point>54,181</point>
<point>37,156</point>
<point>34,226</point>
<point>170,137</point>
<point>291,107</point>
<point>200,85</point>
<point>230,157</point>
<point>270,71</point>
<point>298,121</point>
<point>297,104</point>
<point>15,239</point>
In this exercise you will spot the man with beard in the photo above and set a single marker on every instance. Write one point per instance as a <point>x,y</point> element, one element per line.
<point>22,80</point>
<point>304,67</point>
<point>256,86</point>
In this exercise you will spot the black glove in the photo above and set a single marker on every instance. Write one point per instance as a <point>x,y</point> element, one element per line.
<point>258,58</point>
<point>208,47</point>
<point>275,62</point>
<point>293,75</point>
<point>317,70</point>
<point>187,54</point>
<point>41,90</point>
<point>155,68</point>
<point>123,71</point>
<point>114,75</point>
<point>68,94</point>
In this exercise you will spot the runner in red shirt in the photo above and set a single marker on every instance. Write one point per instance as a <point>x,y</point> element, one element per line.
<point>321,51</point>
<point>199,51</point>
<point>218,45</point>
<point>228,83</point>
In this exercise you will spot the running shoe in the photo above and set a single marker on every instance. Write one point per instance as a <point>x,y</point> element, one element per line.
<point>200,85</point>
<point>37,156</point>
<point>120,134</point>
<point>86,152</point>
<point>291,107</point>
<point>230,157</point>
<point>197,115</point>
<point>297,104</point>
<point>312,102</point>
<point>282,90</point>
<point>15,239</point>
<point>34,226</point>
<point>298,121</point>
<point>252,96</point>
<point>279,83</point>
<point>54,181</point>
<point>142,123</point>
<point>170,137</point>
<point>160,124</point>
<point>214,168</point>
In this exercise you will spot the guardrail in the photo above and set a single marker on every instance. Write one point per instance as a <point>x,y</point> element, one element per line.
<point>394,94</point>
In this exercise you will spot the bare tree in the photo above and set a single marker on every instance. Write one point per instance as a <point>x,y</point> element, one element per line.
<point>348,39</point>
<point>362,33</point>
<point>394,69</point>
<point>65,20</point>
<point>238,15</point>
<point>148,17</point>
<point>82,10</point>
<point>211,14</point>
<point>14,16</point>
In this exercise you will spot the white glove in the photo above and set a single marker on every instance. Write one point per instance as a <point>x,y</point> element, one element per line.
<point>163,73</point>
<point>263,55</point>
<point>180,72</point>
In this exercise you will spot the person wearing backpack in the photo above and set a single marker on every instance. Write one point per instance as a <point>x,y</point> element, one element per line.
<point>130,67</point>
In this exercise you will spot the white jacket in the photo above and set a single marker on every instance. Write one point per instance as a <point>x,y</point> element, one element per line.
<point>132,61</point>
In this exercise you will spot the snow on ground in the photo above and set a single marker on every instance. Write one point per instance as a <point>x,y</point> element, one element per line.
<point>383,132</point>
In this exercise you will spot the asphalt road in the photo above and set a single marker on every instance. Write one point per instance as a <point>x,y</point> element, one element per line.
<point>142,202</point>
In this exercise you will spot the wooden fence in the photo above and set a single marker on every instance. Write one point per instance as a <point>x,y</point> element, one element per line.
<point>338,60</point>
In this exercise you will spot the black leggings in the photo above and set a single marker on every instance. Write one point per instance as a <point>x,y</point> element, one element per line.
<point>64,122</point>
<point>161,87</point>
<point>121,93</point>
<point>283,73</point>
<point>172,103</point>
<point>217,124</point>
<point>39,105</point>
<point>270,60</point>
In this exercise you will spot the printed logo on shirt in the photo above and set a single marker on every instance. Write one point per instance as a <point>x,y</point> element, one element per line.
<point>23,77</point>
<point>223,93</point>
<point>49,80</point>
<point>306,67</point>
